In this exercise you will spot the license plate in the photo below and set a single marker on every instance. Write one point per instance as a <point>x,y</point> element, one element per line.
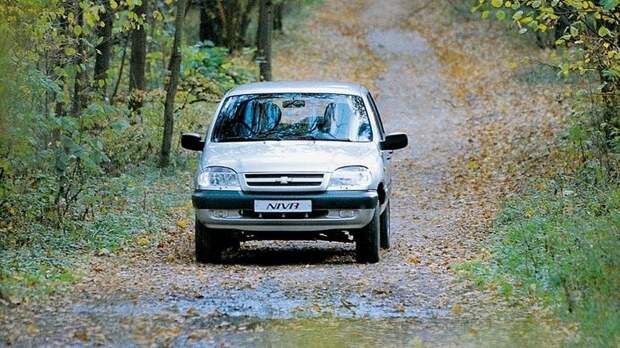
<point>273,206</point>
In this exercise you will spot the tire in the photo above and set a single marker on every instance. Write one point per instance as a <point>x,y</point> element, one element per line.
<point>367,240</point>
<point>385,228</point>
<point>234,244</point>
<point>209,244</point>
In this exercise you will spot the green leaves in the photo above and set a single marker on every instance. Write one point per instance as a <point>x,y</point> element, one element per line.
<point>120,125</point>
<point>603,31</point>
<point>497,3</point>
<point>517,15</point>
<point>70,51</point>
<point>610,4</point>
<point>588,28</point>
<point>574,32</point>
<point>611,74</point>
<point>558,237</point>
<point>204,62</point>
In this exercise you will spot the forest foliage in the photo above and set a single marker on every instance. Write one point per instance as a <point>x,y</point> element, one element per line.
<point>559,241</point>
<point>93,97</point>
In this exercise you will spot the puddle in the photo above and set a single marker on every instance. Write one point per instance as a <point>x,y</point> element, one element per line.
<point>339,332</point>
<point>266,302</point>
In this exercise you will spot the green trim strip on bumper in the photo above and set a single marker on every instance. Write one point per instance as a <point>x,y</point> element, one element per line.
<point>320,200</point>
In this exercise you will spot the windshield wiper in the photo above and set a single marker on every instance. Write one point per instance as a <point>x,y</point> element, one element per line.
<point>265,135</point>
<point>238,138</point>
<point>312,137</point>
<point>298,137</point>
<point>233,139</point>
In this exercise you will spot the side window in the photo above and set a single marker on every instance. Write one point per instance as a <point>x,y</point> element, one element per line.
<point>375,112</point>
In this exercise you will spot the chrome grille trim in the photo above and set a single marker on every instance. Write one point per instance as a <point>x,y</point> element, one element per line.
<point>289,181</point>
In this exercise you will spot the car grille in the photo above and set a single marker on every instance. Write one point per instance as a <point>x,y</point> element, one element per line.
<point>284,181</point>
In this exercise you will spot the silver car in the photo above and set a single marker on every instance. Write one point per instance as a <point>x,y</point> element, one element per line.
<point>294,160</point>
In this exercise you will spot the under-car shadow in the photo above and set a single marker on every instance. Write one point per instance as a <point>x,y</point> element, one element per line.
<point>291,253</point>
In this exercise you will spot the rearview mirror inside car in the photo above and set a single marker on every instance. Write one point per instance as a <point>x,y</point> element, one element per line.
<point>293,103</point>
<point>192,141</point>
<point>394,141</point>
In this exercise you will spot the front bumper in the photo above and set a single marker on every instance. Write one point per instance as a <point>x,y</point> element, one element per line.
<point>361,203</point>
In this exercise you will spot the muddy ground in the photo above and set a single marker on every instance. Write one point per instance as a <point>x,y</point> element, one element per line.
<point>313,293</point>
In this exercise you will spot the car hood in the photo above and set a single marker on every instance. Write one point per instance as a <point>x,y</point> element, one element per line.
<point>290,156</point>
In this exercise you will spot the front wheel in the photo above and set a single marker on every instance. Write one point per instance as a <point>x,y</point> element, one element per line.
<point>209,244</point>
<point>385,227</point>
<point>367,240</point>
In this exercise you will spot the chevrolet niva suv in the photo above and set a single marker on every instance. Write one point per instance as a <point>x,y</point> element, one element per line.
<point>294,161</point>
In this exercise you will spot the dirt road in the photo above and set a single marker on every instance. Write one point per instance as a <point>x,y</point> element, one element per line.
<point>304,293</point>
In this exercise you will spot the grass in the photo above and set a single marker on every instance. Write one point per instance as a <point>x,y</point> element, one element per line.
<point>560,245</point>
<point>37,259</point>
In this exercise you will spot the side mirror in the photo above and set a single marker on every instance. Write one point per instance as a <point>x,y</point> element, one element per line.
<point>394,141</point>
<point>192,141</point>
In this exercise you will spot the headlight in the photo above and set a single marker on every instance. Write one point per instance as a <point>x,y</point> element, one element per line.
<point>350,178</point>
<point>217,178</point>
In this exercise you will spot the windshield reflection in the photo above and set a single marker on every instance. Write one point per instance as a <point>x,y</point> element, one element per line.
<point>293,116</point>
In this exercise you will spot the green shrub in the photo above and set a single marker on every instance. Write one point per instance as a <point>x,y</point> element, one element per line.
<point>561,245</point>
<point>213,65</point>
<point>36,258</point>
<point>74,184</point>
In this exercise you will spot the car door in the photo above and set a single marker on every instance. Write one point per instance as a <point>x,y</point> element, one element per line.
<point>385,155</point>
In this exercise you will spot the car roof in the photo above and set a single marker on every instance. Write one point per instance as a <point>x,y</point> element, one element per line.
<point>299,87</point>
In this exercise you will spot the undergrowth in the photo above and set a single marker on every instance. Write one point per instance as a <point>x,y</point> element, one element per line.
<point>559,243</point>
<point>72,186</point>
<point>37,258</point>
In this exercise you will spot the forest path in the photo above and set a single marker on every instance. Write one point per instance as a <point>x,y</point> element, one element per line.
<point>303,293</point>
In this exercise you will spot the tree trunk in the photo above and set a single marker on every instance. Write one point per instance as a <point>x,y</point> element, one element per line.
<point>211,26</point>
<point>230,11</point>
<point>137,61</point>
<point>174,68</point>
<point>277,16</point>
<point>225,22</point>
<point>265,28</point>
<point>245,21</point>
<point>120,71</point>
<point>103,52</point>
<point>79,99</point>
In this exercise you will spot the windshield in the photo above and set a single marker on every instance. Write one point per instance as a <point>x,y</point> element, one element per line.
<point>293,116</point>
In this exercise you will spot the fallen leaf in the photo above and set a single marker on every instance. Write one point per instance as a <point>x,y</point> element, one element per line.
<point>183,223</point>
<point>191,312</point>
<point>142,240</point>
<point>32,329</point>
<point>457,309</point>
<point>103,252</point>
<point>81,335</point>
<point>414,260</point>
